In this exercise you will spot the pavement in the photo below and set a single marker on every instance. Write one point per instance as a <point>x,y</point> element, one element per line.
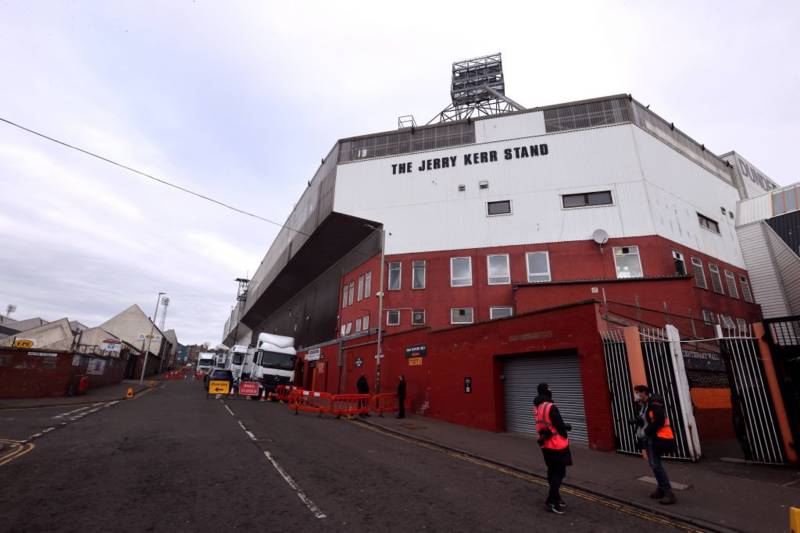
<point>171,460</point>
<point>719,495</point>
<point>100,394</point>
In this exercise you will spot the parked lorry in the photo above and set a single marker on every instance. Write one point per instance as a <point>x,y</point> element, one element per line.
<point>274,362</point>
<point>205,361</point>
<point>242,362</point>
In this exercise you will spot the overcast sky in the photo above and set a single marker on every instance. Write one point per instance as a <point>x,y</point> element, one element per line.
<point>240,100</point>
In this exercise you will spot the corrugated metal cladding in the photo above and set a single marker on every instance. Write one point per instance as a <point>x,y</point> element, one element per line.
<point>764,277</point>
<point>562,373</point>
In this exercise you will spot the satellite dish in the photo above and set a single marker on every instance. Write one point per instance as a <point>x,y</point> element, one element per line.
<point>600,236</point>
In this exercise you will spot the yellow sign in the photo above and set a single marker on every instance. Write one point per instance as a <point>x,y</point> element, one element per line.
<point>415,361</point>
<point>23,343</point>
<point>218,387</point>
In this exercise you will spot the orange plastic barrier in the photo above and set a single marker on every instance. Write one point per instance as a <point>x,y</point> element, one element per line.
<point>385,403</point>
<point>310,402</point>
<point>283,392</point>
<point>351,404</point>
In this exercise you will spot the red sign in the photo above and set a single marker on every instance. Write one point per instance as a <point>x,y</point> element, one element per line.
<point>248,388</point>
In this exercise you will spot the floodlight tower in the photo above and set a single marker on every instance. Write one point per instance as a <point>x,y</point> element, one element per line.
<point>164,304</point>
<point>477,89</point>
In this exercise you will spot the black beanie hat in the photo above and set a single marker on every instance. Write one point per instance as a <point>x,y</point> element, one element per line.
<point>543,389</point>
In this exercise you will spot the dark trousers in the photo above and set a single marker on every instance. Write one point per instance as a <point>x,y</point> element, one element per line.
<point>401,407</point>
<point>654,458</point>
<point>556,472</point>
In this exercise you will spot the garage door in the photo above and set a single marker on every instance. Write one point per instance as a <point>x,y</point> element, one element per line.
<point>562,373</point>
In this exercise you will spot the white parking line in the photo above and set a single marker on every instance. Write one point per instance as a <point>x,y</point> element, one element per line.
<point>62,415</point>
<point>286,477</point>
<point>229,409</point>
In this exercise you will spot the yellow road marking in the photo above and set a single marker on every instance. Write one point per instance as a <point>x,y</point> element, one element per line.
<point>21,449</point>
<point>578,493</point>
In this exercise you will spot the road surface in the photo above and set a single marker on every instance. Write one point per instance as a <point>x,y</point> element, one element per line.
<point>171,460</point>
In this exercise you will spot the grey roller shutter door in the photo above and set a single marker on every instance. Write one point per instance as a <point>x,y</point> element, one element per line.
<point>562,373</point>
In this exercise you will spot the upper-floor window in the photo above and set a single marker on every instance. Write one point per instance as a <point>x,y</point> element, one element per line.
<point>708,317</point>
<point>418,275</point>
<point>628,262</point>
<point>393,317</point>
<point>746,292</point>
<point>730,279</point>
<point>727,322</point>
<point>345,292</point>
<point>498,208</point>
<point>716,280</point>
<point>680,263</point>
<point>460,271</point>
<point>708,223</point>
<point>538,264</point>
<point>500,312</point>
<point>418,317</point>
<point>360,288</point>
<point>586,199</point>
<point>358,325</point>
<point>351,293</point>
<point>741,325</point>
<point>367,284</point>
<point>699,273</point>
<point>395,274</point>
<point>461,315</point>
<point>498,268</point>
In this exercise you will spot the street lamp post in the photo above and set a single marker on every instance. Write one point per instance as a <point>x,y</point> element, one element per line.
<point>150,338</point>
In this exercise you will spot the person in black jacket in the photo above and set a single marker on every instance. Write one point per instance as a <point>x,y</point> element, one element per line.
<point>555,446</point>
<point>655,436</point>
<point>363,388</point>
<point>401,397</point>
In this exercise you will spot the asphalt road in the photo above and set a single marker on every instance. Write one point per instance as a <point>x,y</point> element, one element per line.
<point>171,460</point>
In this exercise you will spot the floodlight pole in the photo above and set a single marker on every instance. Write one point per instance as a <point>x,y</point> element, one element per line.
<point>150,338</point>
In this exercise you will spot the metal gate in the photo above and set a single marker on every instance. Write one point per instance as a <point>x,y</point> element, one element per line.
<point>663,364</point>
<point>783,335</point>
<point>562,373</point>
<point>750,397</point>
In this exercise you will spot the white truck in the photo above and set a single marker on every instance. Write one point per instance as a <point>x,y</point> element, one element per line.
<point>274,362</point>
<point>242,362</point>
<point>205,361</point>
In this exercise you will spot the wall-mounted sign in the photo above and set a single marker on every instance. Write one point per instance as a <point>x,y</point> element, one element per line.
<point>43,354</point>
<point>415,361</point>
<point>313,355</point>
<point>23,343</point>
<point>111,345</point>
<point>472,158</point>
<point>467,385</point>
<point>359,362</point>
<point>417,350</point>
<point>708,361</point>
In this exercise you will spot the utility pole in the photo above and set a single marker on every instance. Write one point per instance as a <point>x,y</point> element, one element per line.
<point>150,338</point>
<point>379,355</point>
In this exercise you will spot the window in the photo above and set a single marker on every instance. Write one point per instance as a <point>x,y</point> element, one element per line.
<point>708,317</point>
<point>708,223</point>
<point>462,188</point>
<point>731,281</point>
<point>498,208</point>
<point>588,199</point>
<point>352,293</point>
<point>343,330</point>
<point>365,323</point>
<point>483,185</point>
<point>418,317</point>
<point>499,272</point>
<point>418,275</point>
<point>500,312</point>
<point>460,271</point>
<point>360,288</point>
<point>461,315</point>
<point>746,293</point>
<point>741,325</point>
<point>699,273</point>
<point>393,317</point>
<point>538,266</point>
<point>626,258</point>
<point>348,328</point>
<point>395,274</point>
<point>367,284</point>
<point>727,322</point>
<point>716,280</point>
<point>358,325</point>
<point>345,292</point>
<point>680,263</point>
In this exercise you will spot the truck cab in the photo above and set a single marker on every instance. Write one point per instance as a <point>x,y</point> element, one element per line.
<point>274,362</point>
<point>242,362</point>
<point>205,362</point>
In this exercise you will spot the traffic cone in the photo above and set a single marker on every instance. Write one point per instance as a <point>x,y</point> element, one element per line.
<point>130,393</point>
<point>794,519</point>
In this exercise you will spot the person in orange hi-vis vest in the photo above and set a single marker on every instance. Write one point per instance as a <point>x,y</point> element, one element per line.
<point>654,436</point>
<point>553,440</point>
